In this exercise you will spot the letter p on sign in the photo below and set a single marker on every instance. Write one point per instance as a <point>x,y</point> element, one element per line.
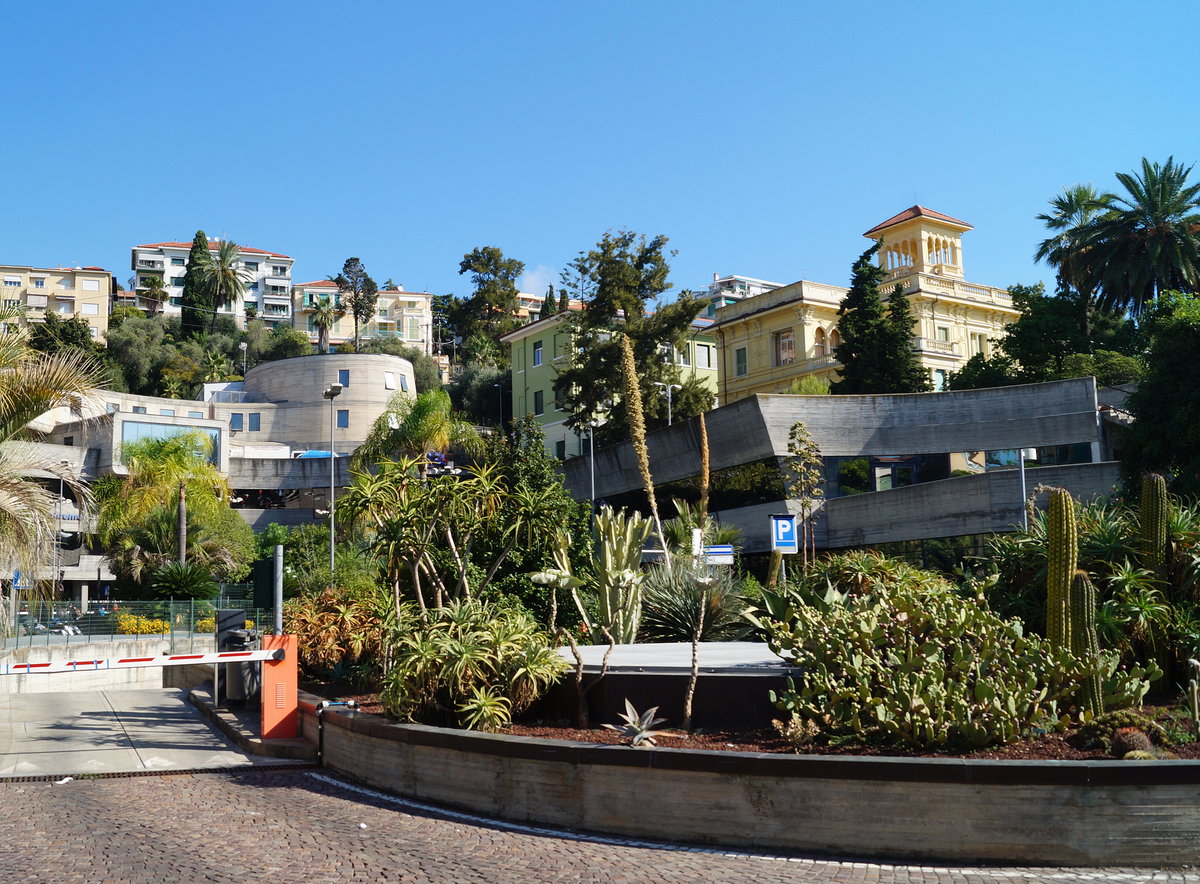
<point>783,534</point>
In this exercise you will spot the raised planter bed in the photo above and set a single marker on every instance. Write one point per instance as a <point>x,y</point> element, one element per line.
<point>966,810</point>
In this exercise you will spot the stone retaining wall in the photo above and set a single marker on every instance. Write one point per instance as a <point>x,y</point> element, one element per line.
<point>1109,813</point>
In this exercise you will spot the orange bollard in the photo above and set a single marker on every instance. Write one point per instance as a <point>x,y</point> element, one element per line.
<point>280,690</point>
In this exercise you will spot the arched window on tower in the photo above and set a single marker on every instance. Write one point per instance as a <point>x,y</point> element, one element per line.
<point>819,342</point>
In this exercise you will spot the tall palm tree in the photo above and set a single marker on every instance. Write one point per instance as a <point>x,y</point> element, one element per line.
<point>325,314</point>
<point>224,277</point>
<point>1149,241</point>
<point>153,291</point>
<point>32,383</point>
<point>163,472</point>
<point>416,427</point>
<point>1070,219</point>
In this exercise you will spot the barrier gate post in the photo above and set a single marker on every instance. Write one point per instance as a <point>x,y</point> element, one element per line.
<point>280,690</point>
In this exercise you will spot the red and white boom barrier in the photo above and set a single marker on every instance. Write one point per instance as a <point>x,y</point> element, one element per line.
<point>135,662</point>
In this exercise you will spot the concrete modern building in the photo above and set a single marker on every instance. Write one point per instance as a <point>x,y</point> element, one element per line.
<point>405,316</point>
<point>63,291</point>
<point>541,348</point>
<point>773,339</point>
<point>268,275</point>
<point>726,290</point>
<point>897,467</point>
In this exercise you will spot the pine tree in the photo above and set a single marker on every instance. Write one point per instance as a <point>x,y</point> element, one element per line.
<point>197,295</point>
<point>876,349</point>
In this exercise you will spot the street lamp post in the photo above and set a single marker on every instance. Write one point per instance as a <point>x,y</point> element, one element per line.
<point>500,405</point>
<point>331,393</point>
<point>242,346</point>
<point>668,389</point>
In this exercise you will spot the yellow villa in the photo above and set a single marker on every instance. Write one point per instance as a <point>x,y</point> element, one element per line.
<point>771,341</point>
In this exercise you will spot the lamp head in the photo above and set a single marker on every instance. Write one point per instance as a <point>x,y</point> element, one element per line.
<point>333,391</point>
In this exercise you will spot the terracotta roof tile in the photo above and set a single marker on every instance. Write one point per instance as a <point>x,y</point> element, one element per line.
<point>917,212</point>
<point>213,244</point>
<point>320,283</point>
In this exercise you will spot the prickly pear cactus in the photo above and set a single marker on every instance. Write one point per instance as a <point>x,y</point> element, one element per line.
<point>1062,548</point>
<point>1152,521</point>
<point>1085,643</point>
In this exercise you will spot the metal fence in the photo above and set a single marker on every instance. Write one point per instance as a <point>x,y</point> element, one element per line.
<point>187,624</point>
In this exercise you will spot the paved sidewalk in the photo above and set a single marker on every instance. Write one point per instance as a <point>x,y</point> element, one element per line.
<point>286,825</point>
<point>117,731</point>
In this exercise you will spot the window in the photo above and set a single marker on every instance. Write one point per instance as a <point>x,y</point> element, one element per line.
<point>412,328</point>
<point>560,449</point>
<point>91,309</point>
<point>403,383</point>
<point>537,352</point>
<point>278,270</point>
<point>943,333</point>
<point>11,303</point>
<point>703,356</point>
<point>785,347</point>
<point>253,287</point>
<point>739,362</point>
<point>250,265</point>
<point>91,285</point>
<point>93,331</point>
<point>560,400</point>
<point>236,420</point>
<point>38,283</point>
<point>979,344</point>
<point>139,409</point>
<point>939,379</point>
<point>344,377</point>
<point>389,380</point>
<point>177,262</point>
<point>199,414</point>
<point>169,412</point>
<point>111,408</point>
<point>255,421</point>
<point>66,284</point>
<point>68,440</point>
<point>539,402</point>
<point>135,431</point>
<point>819,348</point>
<point>12,282</point>
<point>177,281</point>
<point>343,418</point>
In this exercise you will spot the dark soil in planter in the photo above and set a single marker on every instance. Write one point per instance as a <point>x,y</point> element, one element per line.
<point>1044,747</point>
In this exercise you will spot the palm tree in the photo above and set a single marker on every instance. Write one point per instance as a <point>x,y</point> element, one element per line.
<point>1149,240</point>
<point>415,427</point>
<point>163,472</point>
<point>1073,212</point>
<point>325,313</point>
<point>32,383</point>
<point>153,291</point>
<point>225,279</point>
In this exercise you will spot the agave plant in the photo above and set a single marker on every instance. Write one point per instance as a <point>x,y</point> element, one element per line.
<point>638,729</point>
<point>671,604</point>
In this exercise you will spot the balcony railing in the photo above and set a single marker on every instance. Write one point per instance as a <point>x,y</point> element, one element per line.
<point>147,264</point>
<point>928,345</point>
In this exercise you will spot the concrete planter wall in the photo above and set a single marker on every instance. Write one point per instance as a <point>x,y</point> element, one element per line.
<point>1056,813</point>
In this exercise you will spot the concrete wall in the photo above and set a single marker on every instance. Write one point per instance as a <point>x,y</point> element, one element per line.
<point>145,678</point>
<point>1053,813</point>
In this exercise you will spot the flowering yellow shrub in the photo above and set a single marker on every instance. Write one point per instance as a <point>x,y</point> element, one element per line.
<point>135,624</point>
<point>209,624</point>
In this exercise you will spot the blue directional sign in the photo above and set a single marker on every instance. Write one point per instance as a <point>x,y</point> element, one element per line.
<point>784,538</point>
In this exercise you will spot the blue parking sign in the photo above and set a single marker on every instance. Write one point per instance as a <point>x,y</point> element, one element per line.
<point>783,534</point>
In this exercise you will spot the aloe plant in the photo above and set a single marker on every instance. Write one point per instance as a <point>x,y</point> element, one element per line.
<point>638,729</point>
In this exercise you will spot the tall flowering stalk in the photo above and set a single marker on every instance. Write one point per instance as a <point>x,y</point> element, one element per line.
<point>637,433</point>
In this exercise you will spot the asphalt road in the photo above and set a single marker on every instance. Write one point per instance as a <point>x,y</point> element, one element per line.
<point>266,824</point>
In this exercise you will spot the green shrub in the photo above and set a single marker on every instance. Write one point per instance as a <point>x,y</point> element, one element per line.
<point>907,662</point>
<point>469,664</point>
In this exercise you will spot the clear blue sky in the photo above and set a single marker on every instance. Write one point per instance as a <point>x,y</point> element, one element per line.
<point>762,138</point>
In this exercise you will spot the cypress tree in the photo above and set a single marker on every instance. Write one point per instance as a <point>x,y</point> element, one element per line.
<point>876,349</point>
<point>197,299</point>
<point>549,304</point>
<point>564,301</point>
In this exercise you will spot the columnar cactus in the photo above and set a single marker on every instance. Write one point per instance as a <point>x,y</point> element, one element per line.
<point>1152,521</point>
<point>1062,551</point>
<point>1085,643</point>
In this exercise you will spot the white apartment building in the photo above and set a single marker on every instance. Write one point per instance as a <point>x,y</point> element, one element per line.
<point>268,279</point>
<point>726,290</point>
<point>64,291</point>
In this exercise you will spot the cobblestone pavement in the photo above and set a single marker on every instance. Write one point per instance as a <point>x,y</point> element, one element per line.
<point>307,826</point>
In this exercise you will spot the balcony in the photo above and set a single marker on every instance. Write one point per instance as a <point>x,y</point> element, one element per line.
<point>149,264</point>
<point>277,310</point>
<point>271,296</point>
<point>928,345</point>
<point>36,300</point>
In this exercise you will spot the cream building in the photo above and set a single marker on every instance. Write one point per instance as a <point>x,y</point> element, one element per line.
<point>407,316</point>
<point>771,341</point>
<point>64,291</point>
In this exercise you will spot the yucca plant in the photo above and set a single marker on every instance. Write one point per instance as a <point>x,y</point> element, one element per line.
<point>671,604</point>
